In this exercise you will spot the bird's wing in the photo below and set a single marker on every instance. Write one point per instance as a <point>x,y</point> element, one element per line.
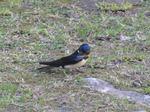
<point>72,59</point>
<point>55,63</point>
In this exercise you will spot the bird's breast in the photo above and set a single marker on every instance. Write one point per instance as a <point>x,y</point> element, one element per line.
<point>81,63</point>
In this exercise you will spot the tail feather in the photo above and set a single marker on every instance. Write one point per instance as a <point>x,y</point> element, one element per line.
<point>45,63</point>
<point>55,63</point>
<point>43,68</point>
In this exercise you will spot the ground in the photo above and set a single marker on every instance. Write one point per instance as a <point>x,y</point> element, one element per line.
<point>44,30</point>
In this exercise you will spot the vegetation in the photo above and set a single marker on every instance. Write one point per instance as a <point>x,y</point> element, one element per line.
<point>113,7</point>
<point>35,30</point>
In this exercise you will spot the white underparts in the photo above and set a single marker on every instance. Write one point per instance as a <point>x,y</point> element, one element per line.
<point>81,63</point>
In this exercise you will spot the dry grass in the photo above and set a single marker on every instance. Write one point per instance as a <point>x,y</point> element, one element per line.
<point>35,31</point>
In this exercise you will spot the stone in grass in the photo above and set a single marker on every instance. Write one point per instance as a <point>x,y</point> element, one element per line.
<point>124,38</point>
<point>136,84</point>
<point>106,87</point>
<point>138,111</point>
<point>147,14</point>
<point>63,111</point>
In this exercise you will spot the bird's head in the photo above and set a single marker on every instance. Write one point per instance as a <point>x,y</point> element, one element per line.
<point>84,49</point>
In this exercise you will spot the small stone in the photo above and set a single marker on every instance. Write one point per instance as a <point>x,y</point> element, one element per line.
<point>106,87</point>
<point>76,16</point>
<point>147,14</point>
<point>139,111</point>
<point>63,111</point>
<point>136,84</point>
<point>124,38</point>
<point>128,76</point>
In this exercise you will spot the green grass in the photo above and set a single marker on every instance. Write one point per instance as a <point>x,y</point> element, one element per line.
<point>113,7</point>
<point>35,30</point>
<point>7,94</point>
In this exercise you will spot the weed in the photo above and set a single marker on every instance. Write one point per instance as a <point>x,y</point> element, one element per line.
<point>5,12</point>
<point>113,7</point>
<point>147,90</point>
<point>79,79</point>
<point>65,74</point>
<point>8,94</point>
<point>14,3</point>
<point>10,88</point>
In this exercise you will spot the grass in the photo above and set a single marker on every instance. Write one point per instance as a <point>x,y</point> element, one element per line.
<point>35,30</point>
<point>113,7</point>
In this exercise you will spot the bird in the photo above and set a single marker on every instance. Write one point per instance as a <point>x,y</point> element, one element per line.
<point>75,60</point>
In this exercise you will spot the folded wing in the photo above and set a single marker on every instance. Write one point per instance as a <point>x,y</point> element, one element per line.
<point>72,59</point>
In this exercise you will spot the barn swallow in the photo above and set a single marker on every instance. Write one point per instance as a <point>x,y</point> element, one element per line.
<point>77,59</point>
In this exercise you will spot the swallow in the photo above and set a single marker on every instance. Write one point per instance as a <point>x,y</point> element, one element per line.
<point>77,59</point>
